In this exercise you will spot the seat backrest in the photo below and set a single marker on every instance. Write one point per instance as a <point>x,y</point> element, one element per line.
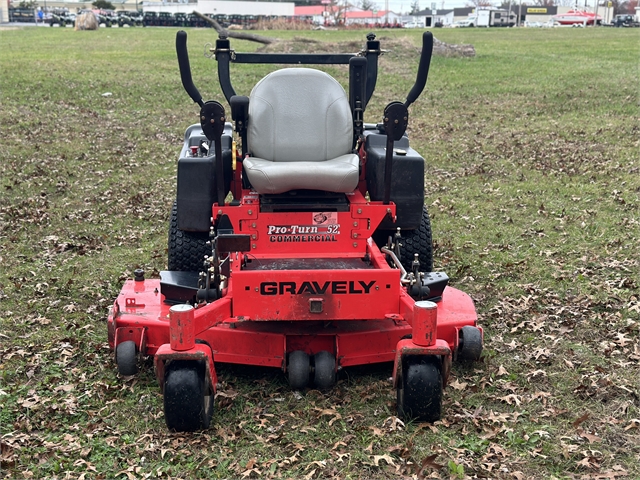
<point>299,114</point>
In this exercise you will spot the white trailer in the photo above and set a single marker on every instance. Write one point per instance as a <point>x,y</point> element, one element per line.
<point>495,18</point>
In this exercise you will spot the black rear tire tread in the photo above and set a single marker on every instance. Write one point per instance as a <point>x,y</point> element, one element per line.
<point>186,249</point>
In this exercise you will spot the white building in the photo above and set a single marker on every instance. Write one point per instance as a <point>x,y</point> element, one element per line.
<point>429,18</point>
<point>223,7</point>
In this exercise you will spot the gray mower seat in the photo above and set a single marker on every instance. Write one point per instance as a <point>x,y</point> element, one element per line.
<point>300,134</point>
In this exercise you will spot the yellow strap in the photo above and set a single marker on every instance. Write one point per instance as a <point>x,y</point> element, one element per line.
<point>233,156</point>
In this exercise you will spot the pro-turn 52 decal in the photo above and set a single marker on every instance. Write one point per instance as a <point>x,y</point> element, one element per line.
<point>323,227</point>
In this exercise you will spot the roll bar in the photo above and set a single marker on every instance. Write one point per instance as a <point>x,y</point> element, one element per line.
<point>396,114</point>
<point>225,55</point>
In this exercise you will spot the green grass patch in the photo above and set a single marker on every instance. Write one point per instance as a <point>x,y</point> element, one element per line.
<point>533,187</point>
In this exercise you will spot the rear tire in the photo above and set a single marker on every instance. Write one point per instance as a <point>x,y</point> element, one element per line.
<point>186,249</point>
<point>413,241</point>
<point>188,400</point>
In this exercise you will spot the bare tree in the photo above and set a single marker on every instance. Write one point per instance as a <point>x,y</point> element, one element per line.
<point>624,6</point>
<point>415,8</point>
<point>337,10</point>
<point>367,5</point>
<point>479,3</point>
<point>629,6</point>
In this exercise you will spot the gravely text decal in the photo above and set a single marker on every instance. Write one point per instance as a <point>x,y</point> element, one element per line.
<point>336,287</point>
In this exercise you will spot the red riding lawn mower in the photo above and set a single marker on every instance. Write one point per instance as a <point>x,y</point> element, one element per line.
<point>319,259</point>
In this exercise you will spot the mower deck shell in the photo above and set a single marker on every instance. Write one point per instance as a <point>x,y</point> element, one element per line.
<point>238,340</point>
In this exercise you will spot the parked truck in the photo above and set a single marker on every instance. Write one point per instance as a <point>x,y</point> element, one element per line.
<point>625,20</point>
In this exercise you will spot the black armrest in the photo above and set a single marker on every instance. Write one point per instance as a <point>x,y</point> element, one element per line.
<point>239,111</point>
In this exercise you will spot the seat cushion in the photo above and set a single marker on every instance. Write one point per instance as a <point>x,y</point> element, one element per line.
<point>337,175</point>
<point>299,114</point>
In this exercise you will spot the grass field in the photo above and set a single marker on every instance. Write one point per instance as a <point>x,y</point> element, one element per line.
<point>533,186</point>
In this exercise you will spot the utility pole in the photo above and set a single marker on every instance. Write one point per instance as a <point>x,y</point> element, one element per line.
<point>519,12</point>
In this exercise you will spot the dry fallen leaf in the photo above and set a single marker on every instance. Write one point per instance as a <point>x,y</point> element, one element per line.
<point>635,423</point>
<point>385,457</point>
<point>430,462</point>
<point>458,385</point>
<point>589,437</point>
<point>580,420</point>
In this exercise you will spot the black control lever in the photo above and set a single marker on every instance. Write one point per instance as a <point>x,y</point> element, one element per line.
<point>395,121</point>
<point>212,120</point>
<point>185,68</point>
<point>423,68</point>
<point>357,94</point>
<point>396,114</point>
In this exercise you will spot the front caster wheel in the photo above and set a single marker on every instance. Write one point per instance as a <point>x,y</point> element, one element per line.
<point>299,369</point>
<point>325,370</point>
<point>188,399</point>
<point>419,395</point>
<point>469,344</point>
<point>126,358</point>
